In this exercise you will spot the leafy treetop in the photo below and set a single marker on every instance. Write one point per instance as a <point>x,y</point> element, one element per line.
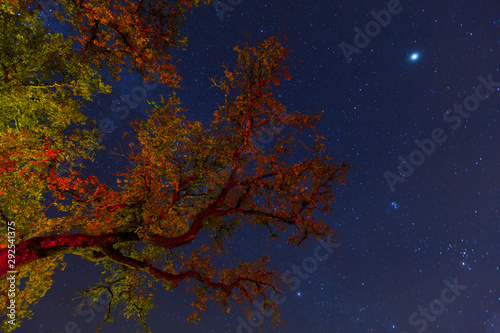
<point>186,182</point>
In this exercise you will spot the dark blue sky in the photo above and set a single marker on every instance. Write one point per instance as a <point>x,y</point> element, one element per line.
<point>400,247</point>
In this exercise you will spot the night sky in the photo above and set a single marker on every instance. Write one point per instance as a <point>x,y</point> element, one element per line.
<point>418,253</point>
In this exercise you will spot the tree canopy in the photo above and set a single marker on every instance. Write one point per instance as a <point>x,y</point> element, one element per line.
<point>184,178</point>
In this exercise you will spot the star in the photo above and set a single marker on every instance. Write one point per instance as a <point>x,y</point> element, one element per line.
<point>395,205</point>
<point>414,56</point>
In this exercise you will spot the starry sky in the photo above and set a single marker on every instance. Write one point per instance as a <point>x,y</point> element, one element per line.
<point>411,100</point>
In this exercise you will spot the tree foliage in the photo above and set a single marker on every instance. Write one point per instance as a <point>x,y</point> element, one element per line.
<point>137,35</point>
<point>186,181</point>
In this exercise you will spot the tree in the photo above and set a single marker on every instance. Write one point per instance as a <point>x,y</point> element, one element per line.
<point>137,35</point>
<point>184,179</point>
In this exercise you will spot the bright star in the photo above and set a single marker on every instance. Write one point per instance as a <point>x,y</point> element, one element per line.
<point>414,56</point>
